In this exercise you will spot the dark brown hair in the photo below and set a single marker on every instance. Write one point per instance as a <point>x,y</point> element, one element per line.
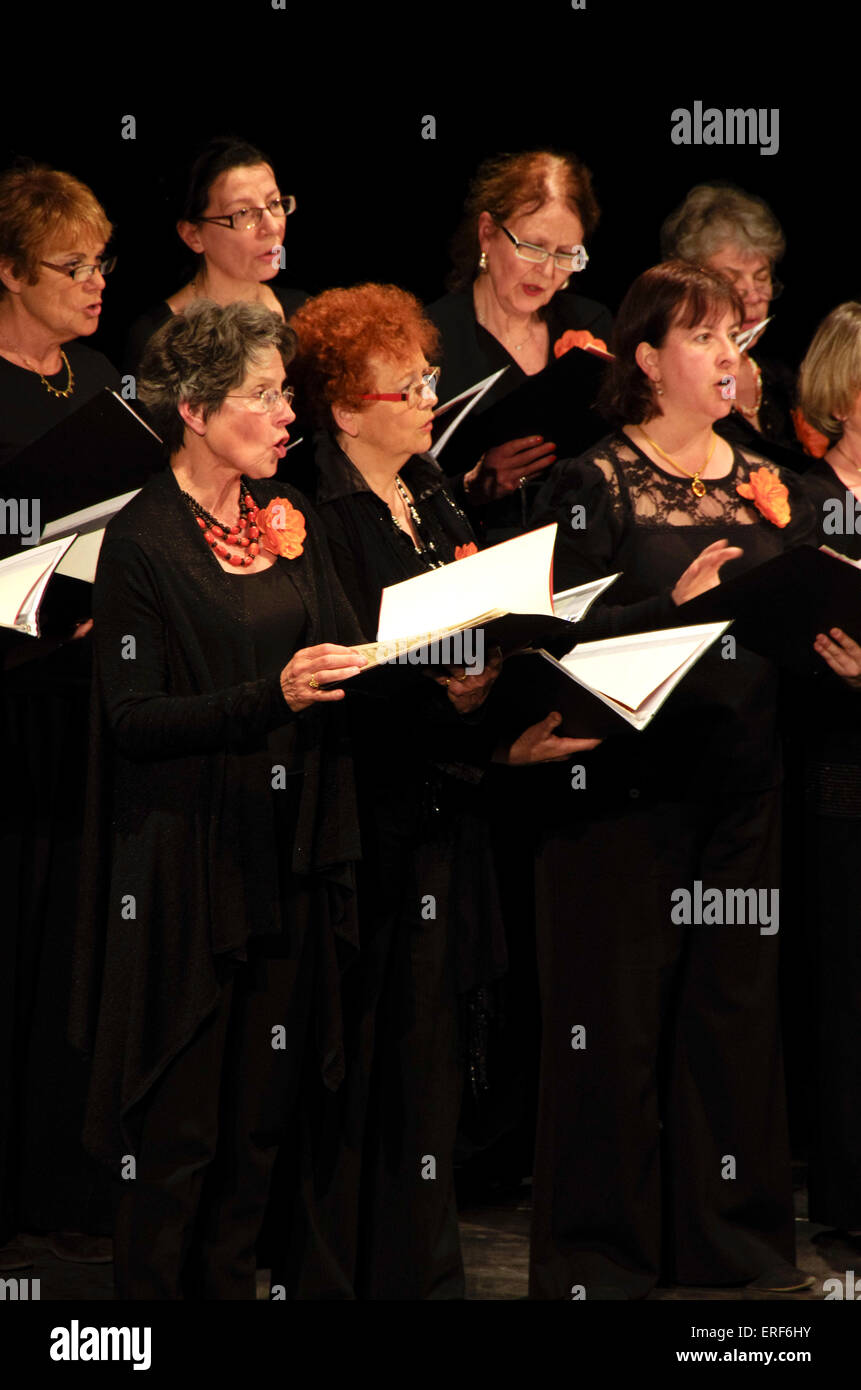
<point>510,182</point>
<point>673,293</point>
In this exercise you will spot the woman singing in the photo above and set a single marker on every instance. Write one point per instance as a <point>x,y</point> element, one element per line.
<point>222,832</point>
<point>662,1149</point>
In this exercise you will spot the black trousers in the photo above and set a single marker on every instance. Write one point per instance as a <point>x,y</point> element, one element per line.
<point>377,1214</point>
<point>207,1135</point>
<point>833,865</point>
<point>662,1149</point>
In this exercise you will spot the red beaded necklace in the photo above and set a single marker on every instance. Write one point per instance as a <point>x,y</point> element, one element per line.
<point>245,534</point>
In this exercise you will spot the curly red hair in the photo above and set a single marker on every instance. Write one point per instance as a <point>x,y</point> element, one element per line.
<point>339,332</point>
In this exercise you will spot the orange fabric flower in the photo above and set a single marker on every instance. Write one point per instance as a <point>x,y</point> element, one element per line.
<point>577,337</point>
<point>282,528</point>
<point>768,494</point>
<point>461,551</point>
<point>810,438</point>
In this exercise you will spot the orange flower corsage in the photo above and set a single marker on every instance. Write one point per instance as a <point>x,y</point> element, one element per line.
<point>461,551</point>
<point>282,528</point>
<point>578,337</point>
<point>768,494</point>
<point>810,439</point>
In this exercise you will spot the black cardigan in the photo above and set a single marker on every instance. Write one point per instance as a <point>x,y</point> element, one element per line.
<point>175,731</point>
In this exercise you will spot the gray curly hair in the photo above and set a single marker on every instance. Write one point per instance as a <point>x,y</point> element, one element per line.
<point>714,215</point>
<point>201,355</point>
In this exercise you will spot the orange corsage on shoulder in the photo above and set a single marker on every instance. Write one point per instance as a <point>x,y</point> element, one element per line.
<point>811,440</point>
<point>282,528</point>
<point>580,338</point>
<point>768,494</point>
<point>461,551</point>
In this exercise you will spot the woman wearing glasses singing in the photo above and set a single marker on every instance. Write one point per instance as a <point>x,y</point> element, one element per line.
<point>519,245</point>
<point>233,220</point>
<point>430,927</point>
<point>222,832</point>
<point>53,234</point>
<point>722,228</point>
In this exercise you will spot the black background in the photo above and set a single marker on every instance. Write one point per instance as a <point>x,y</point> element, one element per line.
<point>336,95</point>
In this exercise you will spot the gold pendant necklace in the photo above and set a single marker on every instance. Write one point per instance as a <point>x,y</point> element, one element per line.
<point>698,487</point>
<point>54,390</point>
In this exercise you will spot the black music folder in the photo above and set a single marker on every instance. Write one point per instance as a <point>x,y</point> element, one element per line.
<point>103,450</point>
<point>778,608</point>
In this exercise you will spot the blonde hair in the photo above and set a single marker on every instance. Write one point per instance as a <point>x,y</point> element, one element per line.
<point>830,377</point>
<point>38,204</point>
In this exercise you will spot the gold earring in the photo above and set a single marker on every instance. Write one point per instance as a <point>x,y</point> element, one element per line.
<point>565,283</point>
<point>482,261</point>
<point>659,390</point>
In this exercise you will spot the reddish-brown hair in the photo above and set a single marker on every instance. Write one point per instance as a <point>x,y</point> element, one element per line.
<point>510,183</point>
<point>671,294</point>
<point>38,205</point>
<point>340,331</point>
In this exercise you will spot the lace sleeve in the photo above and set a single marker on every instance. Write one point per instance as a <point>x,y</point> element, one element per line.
<point>584,497</point>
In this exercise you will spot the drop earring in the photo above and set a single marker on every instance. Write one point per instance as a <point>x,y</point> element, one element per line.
<point>482,262</point>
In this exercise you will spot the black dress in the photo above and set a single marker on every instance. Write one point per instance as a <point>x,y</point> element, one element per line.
<point>470,353</point>
<point>825,735</point>
<point>662,1147</point>
<point>200,926</point>
<point>27,410</point>
<point>143,327</point>
<point>430,931</point>
<point>47,1181</point>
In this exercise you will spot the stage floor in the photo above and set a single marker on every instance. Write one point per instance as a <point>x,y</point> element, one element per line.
<point>496,1252</point>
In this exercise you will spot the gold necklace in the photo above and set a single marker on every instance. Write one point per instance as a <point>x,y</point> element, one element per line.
<point>70,375</point>
<point>750,412</point>
<point>698,487</point>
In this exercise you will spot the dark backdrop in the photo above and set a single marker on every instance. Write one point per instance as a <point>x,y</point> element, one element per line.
<point>336,95</point>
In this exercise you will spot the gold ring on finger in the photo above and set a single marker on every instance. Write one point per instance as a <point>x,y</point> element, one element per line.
<point>314,683</point>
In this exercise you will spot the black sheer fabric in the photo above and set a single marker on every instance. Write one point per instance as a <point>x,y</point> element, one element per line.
<point>617,511</point>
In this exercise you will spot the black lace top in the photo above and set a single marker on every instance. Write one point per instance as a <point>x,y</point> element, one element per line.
<point>617,511</point>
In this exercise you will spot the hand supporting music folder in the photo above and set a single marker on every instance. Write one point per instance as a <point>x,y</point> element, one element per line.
<point>558,404</point>
<point>607,687</point>
<point>778,608</point>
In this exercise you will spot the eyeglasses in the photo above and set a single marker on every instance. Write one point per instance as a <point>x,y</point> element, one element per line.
<point>264,402</point>
<point>765,284</point>
<point>246,218</point>
<point>78,273</point>
<point>416,393</point>
<point>565,260</point>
